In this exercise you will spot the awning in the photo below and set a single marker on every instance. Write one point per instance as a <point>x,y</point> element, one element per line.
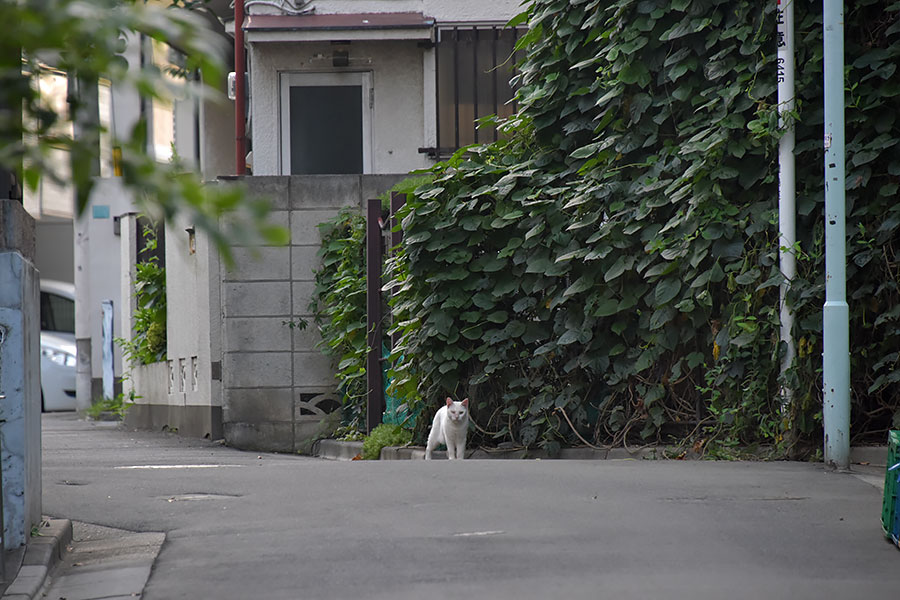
<point>314,28</point>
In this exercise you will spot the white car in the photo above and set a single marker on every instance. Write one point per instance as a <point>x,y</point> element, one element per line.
<point>57,345</point>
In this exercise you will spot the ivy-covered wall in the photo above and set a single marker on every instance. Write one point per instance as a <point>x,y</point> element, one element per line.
<point>608,274</point>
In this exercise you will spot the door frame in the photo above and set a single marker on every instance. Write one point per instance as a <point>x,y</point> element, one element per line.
<point>289,79</point>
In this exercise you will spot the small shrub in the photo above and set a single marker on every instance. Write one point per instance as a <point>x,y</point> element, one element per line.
<point>382,436</point>
<point>117,406</point>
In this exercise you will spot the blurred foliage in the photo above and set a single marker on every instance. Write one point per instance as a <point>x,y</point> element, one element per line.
<point>86,40</point>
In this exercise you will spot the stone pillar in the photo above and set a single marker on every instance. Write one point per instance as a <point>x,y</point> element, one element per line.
<point>20,369</point>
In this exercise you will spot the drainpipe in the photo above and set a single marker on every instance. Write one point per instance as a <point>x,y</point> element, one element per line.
<point>240,109</point>
<point>786,190</point>
<point>836,314</point>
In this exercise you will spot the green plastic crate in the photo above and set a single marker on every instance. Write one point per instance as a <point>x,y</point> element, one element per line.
<point>889,506</point>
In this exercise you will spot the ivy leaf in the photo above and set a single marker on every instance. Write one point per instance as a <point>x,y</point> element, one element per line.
<point>581,284</point>
<point>569,337</point>
<point>666,290</point>
<point>635,72</point>
<point>498,316</point>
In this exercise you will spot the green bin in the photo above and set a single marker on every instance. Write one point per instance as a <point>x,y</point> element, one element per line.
<point>889,506</point>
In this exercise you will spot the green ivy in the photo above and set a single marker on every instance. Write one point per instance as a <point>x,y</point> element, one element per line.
<point>384,435</point>
<point>339,300</point>
<point>148,344</point>
<point>609,273</point>
<point>339,306</point>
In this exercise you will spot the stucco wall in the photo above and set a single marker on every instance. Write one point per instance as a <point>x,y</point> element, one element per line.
<point>109,199</point>
<point>180,393</point>
<point>398,115</point>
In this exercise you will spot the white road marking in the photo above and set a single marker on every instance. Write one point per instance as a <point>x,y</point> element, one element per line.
<point>477,533</point>
<point>176,466</point>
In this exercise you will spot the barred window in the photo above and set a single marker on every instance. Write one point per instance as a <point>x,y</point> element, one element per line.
<point>474,68</point>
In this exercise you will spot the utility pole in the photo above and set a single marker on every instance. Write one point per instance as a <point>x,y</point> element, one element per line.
<point>836,313</point>
<point>240,105</point>
<point>787,219</point>
<point>85,106</point>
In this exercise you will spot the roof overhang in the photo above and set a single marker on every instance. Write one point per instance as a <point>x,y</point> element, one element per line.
<point>326,28</point>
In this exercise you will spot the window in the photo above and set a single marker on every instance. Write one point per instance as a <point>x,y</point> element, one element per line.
<point>474,67</point>
<point>57,313</point>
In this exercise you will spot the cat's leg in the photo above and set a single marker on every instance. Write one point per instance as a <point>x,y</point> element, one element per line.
<point>451,446</point>
<point>461,448</point>
<point>429,447</point>
<point>433,440</point>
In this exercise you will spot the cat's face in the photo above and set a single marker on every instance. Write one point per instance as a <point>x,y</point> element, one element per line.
<point>457,410</point>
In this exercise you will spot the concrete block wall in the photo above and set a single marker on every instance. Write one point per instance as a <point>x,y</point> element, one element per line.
<point>277,386</point>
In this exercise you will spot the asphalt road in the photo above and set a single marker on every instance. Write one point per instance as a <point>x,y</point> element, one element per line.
<point>247,526</point>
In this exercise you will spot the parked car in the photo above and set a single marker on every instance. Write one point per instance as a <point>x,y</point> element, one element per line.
<point>57,345</point>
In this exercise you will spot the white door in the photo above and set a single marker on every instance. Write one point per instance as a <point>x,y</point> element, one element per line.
<point>325,123</point>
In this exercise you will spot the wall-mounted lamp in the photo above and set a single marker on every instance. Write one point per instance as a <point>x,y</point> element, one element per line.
<point>340,54</point>
<point>192,240</point>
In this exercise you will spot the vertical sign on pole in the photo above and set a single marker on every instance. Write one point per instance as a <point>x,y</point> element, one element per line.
<point>836,313</point>
<point>786,184</point>
<point>106,330</point>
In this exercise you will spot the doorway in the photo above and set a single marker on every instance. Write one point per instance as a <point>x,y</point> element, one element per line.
<point>325,123</point>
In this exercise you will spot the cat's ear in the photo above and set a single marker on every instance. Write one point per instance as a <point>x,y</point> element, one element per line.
<point>465,403</point>
<point>449,401</point>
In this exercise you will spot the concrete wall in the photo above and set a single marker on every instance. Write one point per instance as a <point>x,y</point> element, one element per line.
<point>20,368</point>
<point>277,385</point>
<point>181,393</point>
<point>109,199</point>
<point>236,368</point>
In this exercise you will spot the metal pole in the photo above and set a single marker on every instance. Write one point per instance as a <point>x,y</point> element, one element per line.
<point>836,314</point>
<point>375,385</point>
<point>240,109</point>
<point>786,186</point>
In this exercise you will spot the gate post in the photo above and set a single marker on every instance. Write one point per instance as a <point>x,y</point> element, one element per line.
<point>374,383</point>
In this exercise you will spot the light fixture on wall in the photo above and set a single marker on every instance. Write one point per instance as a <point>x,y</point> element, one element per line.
<point>192,240</point>
<point>340,54</point>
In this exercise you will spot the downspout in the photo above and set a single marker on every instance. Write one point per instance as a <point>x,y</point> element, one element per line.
<point>836,313</point>
<point>240,109</point>
<point>787,228</point>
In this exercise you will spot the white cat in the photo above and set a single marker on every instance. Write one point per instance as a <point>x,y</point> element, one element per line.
<point>451,423</point>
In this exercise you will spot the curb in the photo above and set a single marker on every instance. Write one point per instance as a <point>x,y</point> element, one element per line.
<point>875,456</point>
<point>42,553</point>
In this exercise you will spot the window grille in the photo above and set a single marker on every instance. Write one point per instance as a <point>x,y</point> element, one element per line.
<point>474,65</point>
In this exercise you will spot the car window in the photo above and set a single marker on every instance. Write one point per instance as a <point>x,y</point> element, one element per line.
<point>57,313</point>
